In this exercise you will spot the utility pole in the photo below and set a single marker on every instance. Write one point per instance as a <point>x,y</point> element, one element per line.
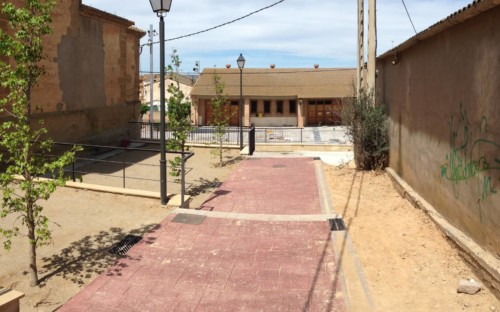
<point>151,34</point>
<point>372,45</point>
<point>361,48</point>
<point>196,69</point>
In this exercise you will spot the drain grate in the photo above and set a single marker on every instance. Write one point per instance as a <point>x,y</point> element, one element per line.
<point>337,224</point>
<point>123,246</point>
<point>279,166</point>
<point>188,219</point>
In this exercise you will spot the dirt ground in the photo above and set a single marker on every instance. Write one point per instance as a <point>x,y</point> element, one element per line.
<point>86,224</point>
<point>408,264</point>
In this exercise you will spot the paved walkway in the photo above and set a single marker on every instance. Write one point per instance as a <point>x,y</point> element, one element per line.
<point>260,243</point>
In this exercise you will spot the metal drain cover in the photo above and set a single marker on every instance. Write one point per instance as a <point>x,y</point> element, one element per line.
<point>123,246</point>
<point>337,224</point>
<point>187,218</point>
<point>279,166</point>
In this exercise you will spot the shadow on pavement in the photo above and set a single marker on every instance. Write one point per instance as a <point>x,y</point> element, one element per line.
<point>88,256</point>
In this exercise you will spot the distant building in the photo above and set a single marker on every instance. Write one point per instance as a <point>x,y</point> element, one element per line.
<point>287,97</point>
<point>91,88</point>
<point>185,84</point>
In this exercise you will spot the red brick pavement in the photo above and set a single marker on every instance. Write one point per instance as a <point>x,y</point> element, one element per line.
<point>269,185</point>
<point>226,264</point>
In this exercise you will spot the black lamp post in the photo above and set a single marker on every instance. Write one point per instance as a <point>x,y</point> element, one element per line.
<point>161,8</point>
<point>241,65</point>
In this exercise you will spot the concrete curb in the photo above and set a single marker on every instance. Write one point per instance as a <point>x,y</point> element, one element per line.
<point>174,200</point>
<point>485,265</point>
<point>114,190</point>
<point>355,288</point>
<point>255,216</point>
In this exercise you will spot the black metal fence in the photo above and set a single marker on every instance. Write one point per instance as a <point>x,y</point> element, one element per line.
<point>206,134</point>
<point>198,135</point>
<point>251,141</point>
<point>133,167</point>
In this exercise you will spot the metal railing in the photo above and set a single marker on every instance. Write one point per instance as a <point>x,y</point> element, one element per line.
<point>198,135</point>
<point>112,162</point>
<point>205,134</point>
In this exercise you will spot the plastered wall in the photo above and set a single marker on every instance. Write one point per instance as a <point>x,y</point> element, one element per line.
<point>90,89</point>
<point>444,108</point>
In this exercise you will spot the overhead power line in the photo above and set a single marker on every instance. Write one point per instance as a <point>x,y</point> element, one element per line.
<point>221,25</point>
<point>408,13</point>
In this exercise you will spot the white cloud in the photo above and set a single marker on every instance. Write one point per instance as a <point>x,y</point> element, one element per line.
<point>293,33</point>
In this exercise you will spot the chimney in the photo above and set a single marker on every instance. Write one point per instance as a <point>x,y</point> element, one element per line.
<point>272,66</point>
<point>316,66</point>
<point>228,66</point>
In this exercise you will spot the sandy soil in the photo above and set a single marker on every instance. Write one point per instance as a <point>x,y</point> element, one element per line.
<point>408,264</point>
<point>86,224</point>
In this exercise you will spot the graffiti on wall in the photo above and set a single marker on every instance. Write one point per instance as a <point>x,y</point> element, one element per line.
<point>473,155</point>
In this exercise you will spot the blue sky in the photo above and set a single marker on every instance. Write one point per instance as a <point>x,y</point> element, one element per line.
<point>292,33</point>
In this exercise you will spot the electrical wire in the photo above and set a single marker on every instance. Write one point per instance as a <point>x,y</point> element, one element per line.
<point>220,25</point>
<point>408,13</point>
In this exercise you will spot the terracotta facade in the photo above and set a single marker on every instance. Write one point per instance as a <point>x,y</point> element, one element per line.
<point>273,97</point>
<point>91,86</point>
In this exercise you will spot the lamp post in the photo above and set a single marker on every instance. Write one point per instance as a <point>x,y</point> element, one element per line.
<point>241,65</point>
<point>161,8</point>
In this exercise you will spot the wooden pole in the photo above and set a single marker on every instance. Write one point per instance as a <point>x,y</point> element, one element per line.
<point>372,45</point>
<point>361,47</point>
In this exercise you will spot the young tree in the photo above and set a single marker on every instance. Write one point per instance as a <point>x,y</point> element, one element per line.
<point>179,113</point>
<point>24,141</point>
<point>221,117</point>
<point>367,127</point>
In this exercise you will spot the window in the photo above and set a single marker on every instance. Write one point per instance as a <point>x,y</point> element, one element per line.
<point>235,103</point>
<point>320,102</point>
<point>253,107</point>
<point>267,107</point>
<point>279,107</point>
<point>293,107</point>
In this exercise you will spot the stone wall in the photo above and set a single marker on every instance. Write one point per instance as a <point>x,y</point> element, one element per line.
<point>443,96</point>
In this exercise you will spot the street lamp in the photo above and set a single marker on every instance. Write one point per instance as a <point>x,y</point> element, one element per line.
<point>241,65</point>
<point>161,8</point>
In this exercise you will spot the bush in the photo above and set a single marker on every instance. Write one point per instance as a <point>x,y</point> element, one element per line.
<point>144,109</point>
<point>367,128</point>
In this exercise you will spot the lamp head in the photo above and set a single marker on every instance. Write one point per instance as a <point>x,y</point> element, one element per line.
<point>160,6</point>
<point>241,61</point>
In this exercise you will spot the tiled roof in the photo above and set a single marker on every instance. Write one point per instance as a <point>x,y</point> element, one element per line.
<point>91,11</point>
<point>468,12</point>
<point>284,82</point>
<point>185,80</point>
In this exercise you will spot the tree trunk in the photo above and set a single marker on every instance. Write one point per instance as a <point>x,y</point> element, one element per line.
<point>220,153</point>
<point>31,234</point>
<point>32,251</point>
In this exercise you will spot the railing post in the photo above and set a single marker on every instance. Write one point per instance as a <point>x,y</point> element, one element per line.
<point>73,172</point>
<point>182,180</point>
<point>123,165</point>
<point>301,141</point>
<point>251,140</point>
